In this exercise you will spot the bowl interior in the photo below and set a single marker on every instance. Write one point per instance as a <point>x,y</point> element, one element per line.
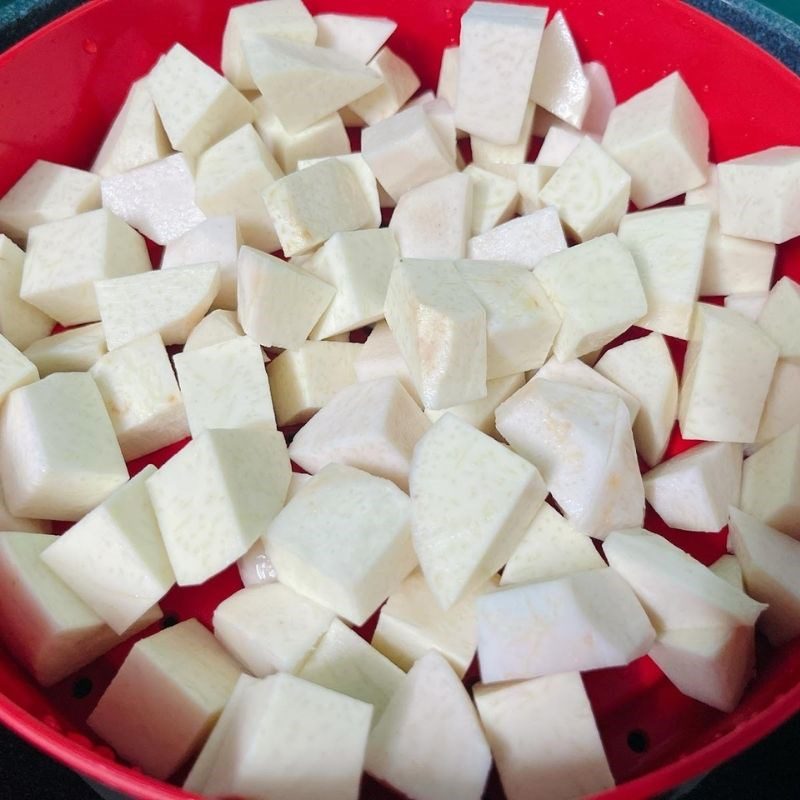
<point>60,89</point>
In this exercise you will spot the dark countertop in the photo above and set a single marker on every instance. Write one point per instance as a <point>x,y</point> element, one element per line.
<point>768,771</point>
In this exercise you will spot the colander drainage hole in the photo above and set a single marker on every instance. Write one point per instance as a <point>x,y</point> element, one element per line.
<point>638,741</point>
<point>170,620</point>
<point>81,688</point>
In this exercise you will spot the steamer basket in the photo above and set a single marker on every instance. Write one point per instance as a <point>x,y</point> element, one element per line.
<point>59,90</point>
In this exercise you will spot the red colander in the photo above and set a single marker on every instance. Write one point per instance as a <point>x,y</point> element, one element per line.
<point>59,90</point>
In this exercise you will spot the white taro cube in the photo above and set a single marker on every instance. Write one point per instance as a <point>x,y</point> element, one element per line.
<point>279,303</point>
<point>302,381</point>
<point>369,520</point>
<point>544,120</point>
<point>405,151</point>
<point>215,497</point>
<point>364,177</point>
<point>644,368</point>
<point>20,322</point>
<point>580,440</point>
<point>219,326</point>
<point>113,558</point>
<point>442,117</point>
<point>781,411</point>
<point>225,385</point>
<point>447,86</point>
<point>597,290</point>
<point>543,733</point>
<point>358,265</point>
<point>731,264</point>
<point>72,350</point>
<point>602,98</point>
<point>136,136</point>
<point>270,628</point>
<point>65,258</point>
<point>59,457</point>
<point>668,246</point>
<point>480,413</point>
<point>217,240</point>
<point>9,522</point>
<point>550,548</point>
<point>748,304</point>
<point>327,80</point>
<point>531,179</point>
<point>399,84</point>
<point>590,359</point>
<point>296,483</point>
<point>559,83</point>
<point>498,52</point>
<point>357,36</point>
<point>196,104</point>
<point>277,728</point>
<point>676,590</point>
<point>434,220</point>
<point>521,322</point>
<point>229,180</point>
<point>472,500</point>
<point>779,318</point>
<point>285,19</point>
<point>168,302</point>
<point>411,623</point>
<point>45,625</point>
<point>142,397</point>
<point>15,369</point>
<point>525,240</point>
<point>590,191</point>
<point>307,207</point>
<point>344,662</point>
<point>660,137</point>
<point>429,743</point>
<point>712,665</point>
<point>47,192</point>
<point>577,373</point>
<point>584,621</point>
<point>726,376</point>
<point>327,137</point>
<point>558,144</point>
<point>206,759</point>
<point>692,491</point>
<point>373,426</point>
<point>759,197</point>
<point>380,357</point>
<point>488,154</point>
<point>729,569</point>
<point>494,198</point>
<point>771,483</point>
<point>440,327</point>
<point>423,98</point>
<point>163,702</point>
<point>255,567</point>
<point>157,199</point>
<point>769,561</point>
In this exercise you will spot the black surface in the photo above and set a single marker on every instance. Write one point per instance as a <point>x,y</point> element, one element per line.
<point>27,774</point>
<point>18,18</point>
<point>768,771</point>
<point>777,33</point>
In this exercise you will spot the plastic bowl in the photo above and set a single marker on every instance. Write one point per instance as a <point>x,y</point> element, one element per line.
<point>59,90</point>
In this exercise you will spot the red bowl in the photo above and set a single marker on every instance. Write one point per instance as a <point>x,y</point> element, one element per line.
<point>59,90</point>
